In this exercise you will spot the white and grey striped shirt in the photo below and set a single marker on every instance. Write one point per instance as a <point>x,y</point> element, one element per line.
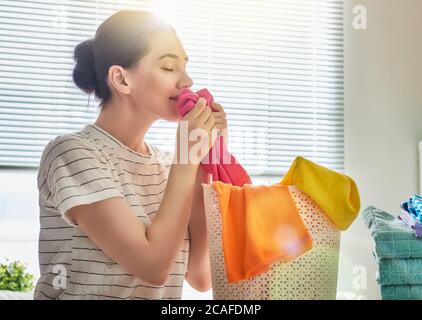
<point>85,167</point>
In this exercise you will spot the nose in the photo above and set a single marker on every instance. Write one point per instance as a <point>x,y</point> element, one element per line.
<point>185,81</point>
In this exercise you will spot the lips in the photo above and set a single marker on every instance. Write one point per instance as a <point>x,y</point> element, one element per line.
<point>175,99</point>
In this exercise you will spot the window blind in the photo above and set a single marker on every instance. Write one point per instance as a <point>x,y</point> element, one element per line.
<point>276,66</point>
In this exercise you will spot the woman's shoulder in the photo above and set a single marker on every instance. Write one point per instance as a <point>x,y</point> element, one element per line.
<point>67,142</point>
<point>66,147</point>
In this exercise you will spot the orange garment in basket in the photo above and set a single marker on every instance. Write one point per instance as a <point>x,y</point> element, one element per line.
<point>260,225</point>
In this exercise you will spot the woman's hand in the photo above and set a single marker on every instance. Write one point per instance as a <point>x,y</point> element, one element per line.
<point>200,117</point>
<point>220,121</point>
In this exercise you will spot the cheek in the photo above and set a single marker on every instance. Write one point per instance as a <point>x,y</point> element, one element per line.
<point>153,95</point>
<point>146,91</point>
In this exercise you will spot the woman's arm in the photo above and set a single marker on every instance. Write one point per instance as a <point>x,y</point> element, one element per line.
<point>147,253</point>
<point>199,273</point>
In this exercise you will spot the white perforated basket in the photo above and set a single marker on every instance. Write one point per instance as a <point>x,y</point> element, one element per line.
<point>310,276</point>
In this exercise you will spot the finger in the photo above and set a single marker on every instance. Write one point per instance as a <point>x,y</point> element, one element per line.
<point>217,107</point>
<point>220,117</point>
<point>205,114</point>
<point>220,121</point>
<point>197,110</point>
<point>219,126</point>
<point>209,123</point>
<point>219,114</point>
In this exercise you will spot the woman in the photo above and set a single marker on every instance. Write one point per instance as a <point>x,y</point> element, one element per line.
<point>121,219</point>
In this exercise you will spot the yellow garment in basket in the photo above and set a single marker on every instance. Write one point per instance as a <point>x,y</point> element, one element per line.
<point>335,193</point>
<point>260,225</point>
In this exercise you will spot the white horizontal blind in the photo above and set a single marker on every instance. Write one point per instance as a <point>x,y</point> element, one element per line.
<point>38,99</point>
<point>276,66</point>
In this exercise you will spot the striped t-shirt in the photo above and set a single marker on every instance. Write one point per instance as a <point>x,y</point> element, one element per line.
<point>86,167</point>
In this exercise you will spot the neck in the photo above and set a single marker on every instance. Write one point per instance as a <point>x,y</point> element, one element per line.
<point>126,124</point>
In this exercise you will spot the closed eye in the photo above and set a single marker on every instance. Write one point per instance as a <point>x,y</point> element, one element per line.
<point>167,69</point>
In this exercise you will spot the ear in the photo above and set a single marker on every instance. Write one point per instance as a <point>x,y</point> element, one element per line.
<point>117,77</point>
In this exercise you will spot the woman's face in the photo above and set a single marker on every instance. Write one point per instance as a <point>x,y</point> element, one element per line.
<point>160,76</point>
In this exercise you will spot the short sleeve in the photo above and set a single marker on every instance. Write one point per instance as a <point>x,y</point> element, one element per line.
<point>76,173</point>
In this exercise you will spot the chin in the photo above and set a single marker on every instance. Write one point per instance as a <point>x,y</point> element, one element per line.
<point>172,112</point>
<point>171,117</point>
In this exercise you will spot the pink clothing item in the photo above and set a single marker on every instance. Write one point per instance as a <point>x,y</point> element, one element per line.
<point>219,162</point>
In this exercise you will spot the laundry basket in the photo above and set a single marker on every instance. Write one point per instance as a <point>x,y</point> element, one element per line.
<point>310,276</point>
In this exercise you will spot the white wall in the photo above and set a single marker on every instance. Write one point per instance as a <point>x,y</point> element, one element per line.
<point>383,98</point>
<point>19,224</point>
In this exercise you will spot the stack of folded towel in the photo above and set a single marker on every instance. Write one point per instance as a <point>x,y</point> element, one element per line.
<point>398,253</point>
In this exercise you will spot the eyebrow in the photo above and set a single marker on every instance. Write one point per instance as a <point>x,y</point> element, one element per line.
<point>171,55</point>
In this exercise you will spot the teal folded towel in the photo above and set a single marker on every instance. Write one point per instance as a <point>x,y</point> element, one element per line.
<point>393,239</point>
<point>399,271</point>
<point>404,292</point>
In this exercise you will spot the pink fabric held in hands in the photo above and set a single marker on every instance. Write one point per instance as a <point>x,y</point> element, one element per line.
<point>219,162</point>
